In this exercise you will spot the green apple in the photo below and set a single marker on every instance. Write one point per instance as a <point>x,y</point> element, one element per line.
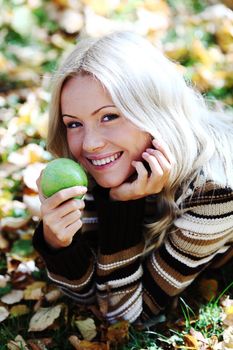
<point>62,173</point>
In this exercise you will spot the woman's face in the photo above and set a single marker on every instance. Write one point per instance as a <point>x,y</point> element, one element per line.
<point>98,135</point>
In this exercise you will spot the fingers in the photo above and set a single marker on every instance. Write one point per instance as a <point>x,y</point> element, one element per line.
<point>164,149</point>
<point>158,163</point>
<point>64,195</point>
<point>61,215</point>
<point>140,183</point>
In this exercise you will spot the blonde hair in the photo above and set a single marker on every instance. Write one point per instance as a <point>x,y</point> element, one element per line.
<point>150,91</point>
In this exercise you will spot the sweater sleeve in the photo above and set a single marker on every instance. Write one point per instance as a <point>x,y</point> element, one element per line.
<point>72,268</point>
<point>119,269</point>
<point>199,237</point>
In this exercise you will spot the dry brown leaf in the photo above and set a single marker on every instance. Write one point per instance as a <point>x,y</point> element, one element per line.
<point>86,345</point>
<point>44,318</point>
<point>191,342</point>
<point>118,332</point>
<point>40,344</point>
<point>4,243</point>
<point>87,328</point>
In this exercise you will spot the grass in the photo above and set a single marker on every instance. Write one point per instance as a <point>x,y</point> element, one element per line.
<point>206,319</point>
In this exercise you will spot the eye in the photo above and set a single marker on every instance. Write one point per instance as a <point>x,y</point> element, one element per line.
<point>109,117</point>
<point>72,125</point>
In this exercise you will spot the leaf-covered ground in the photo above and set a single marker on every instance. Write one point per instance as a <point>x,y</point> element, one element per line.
<point>34,36</point>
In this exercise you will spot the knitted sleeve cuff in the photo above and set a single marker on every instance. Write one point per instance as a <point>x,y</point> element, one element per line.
<point>71,262</point>
<point>120,222</point>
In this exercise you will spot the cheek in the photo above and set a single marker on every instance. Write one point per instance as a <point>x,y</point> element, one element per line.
<point>74,144</point>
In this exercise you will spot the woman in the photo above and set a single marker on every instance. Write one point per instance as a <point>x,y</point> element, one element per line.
<point>159,207</point>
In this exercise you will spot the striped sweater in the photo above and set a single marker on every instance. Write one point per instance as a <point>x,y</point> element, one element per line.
<point>104,264</point>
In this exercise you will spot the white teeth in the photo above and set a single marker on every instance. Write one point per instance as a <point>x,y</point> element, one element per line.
<point>105,160</point>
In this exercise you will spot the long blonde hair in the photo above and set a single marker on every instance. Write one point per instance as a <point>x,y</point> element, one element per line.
<point>150,91</point>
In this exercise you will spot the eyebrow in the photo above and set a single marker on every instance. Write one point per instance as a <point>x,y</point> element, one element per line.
<point>93,113</point>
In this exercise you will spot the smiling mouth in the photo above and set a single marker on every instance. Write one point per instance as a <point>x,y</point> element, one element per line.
<point>107,160</point>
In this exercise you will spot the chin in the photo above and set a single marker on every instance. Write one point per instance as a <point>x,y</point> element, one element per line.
<point>110,184</point>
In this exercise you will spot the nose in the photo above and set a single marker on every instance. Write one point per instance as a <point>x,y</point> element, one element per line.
<point>92,140</point>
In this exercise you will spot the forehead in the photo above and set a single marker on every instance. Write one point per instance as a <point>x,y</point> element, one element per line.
<point>84,89</point>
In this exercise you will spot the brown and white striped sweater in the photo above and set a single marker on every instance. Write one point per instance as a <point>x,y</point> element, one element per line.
<point>104,264</point>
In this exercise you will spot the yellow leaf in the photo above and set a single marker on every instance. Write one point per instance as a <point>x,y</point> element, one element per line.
<point>101,7</point>
<point>86,345</point>
<point>34,291</point>
<point>18,310</point>
<point>200,53</point>
<point>87,328</point>
<point>191,341</point>
<point>224,36</point>
<point>229,310</point>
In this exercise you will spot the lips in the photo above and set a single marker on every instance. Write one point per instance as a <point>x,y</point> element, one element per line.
<point>106,160</point>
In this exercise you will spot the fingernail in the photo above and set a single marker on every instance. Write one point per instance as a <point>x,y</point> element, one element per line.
<point>144,154</point>
<point>82,188</point>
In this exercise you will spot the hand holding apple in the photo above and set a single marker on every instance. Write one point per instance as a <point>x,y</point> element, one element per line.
<point>63,182</point>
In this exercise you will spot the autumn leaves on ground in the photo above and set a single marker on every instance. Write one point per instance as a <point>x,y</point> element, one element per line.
<point>34,36</point>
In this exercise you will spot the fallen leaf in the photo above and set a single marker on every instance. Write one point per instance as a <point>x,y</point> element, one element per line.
<point>53,295</point>
<point>19,310</point>
<point>40,344</point>
<point>87,328</point>
<point>228,320</point>
<point>118,332</point>
<point>228,337</point>
<point>86,345</point>
<point>4,280</point>
<point>44,318</point>
<point>14,223</point>
<point>198,335</point>
<point>4,243</point>
<point>17,344</point>
<point>34,291</point>
<point>191,342</point>
<point>4,313</point>
<point>31,174</point>
<point>13,297</point>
